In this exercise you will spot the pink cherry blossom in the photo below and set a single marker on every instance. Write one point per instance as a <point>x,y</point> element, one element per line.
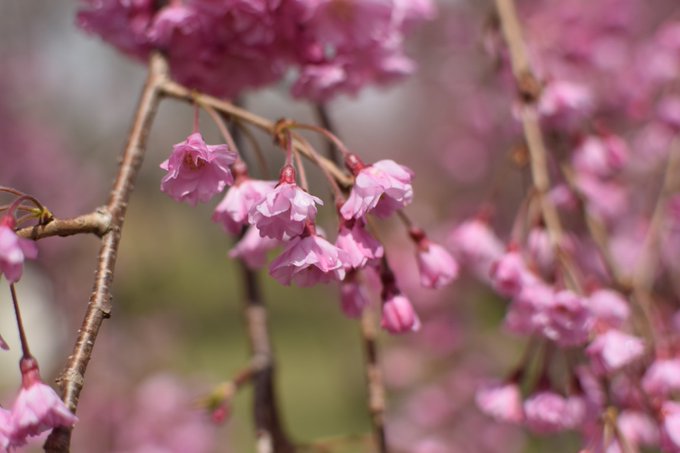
<point>232,212</point>
<point>285,211</point>
<point>501,401</point>
<point>475,245</point>
<point>668,112</point>
<point>359,246</point>
<point>38,407</point>
<point>527,312</point>
<point>197,171</point>
<point>5,429</point>
<point>638,428</point>
<point>398,315</point>
<point>568,321</point>
<point>613,350</point>
<point>436,265</point>
<point>13,251</point>
<point>671,426</point>
<point>307,261</point>
<point>510,274</point>
<point>662,377</point>
<point>253,248</point>
<point>381,188</point>
<point>563,98</point>
<point>608,307</point>
<point>547,412</point>
<point>601,156</point>
<point>541,249</point>
<point>353,297</point>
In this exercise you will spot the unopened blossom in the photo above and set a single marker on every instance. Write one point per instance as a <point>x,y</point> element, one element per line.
<point>568,320</point>
<point>197,171</point>
<point>285,211</point>
<point>475,245</point>
<point>509,274</point>
<point>436,265</point>
<point>398,315</point>
<point>353,297</point>
<point>232,212</point>
<point>613,350</point>
<point>541,249</point>
<point>601,155</point>
<point>501,401</point>
<point>253,248</point>
<point>13,251</point>
<point>307,261</point>
<point>380,188</point>
<point>38,407</point>
<point>608,307</point>
<point>662,377</point>
<point>359,246</point>
<point>547,412</point>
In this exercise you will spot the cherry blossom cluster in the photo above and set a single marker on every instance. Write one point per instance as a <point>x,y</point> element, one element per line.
<point>223,47</point>
<point>269,214</point>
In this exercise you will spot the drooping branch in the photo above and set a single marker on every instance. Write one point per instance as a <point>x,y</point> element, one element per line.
<point>97,223</point>
<point>99,306</point>
<point>376,388</point>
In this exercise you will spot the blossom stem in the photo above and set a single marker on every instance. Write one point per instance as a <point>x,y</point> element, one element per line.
<point>326,133</point>
<point>26,352</point>
<point>326,122</point>
<point>335,188</point>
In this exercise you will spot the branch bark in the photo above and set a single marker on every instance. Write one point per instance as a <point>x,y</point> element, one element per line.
<point>97,223</point>
<point>99,307</point>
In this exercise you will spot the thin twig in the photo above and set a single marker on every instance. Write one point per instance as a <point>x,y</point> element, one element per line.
<point>326,122</point>
<point>97,223</point>
<point>99,307</point>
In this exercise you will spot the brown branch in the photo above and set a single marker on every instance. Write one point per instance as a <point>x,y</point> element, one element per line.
<point>376,388</point>
<point>97,223</point>
<point>174,90</point>
<point>271,436</point>
<point>99,307</point>
<point>326,122</point>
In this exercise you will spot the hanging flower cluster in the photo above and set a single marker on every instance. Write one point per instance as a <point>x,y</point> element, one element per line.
<point>223,47</point>
<point>270,214</point>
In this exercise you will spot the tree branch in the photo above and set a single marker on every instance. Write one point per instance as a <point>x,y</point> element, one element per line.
<point>99,306</point>
<point>376,388</point>
<point>97,223</point>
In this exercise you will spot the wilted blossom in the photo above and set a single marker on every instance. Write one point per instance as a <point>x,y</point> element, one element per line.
<point>197,171</point>
<point>284,211</point>
<point>398,315</point>
<point>232,212</point>
<point>13,251</point>
<point>38,407</point>
<point>308,260</point>
<point>509,274</point>
<point>501,401</point>
<point>253,248</point>
<point>380,188</point>
<point>547,412</point>
<point>436,265</point>
<point>613,349</point>
<point>359,246</point>
<point>475,245</point>
<point>662,377</point>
